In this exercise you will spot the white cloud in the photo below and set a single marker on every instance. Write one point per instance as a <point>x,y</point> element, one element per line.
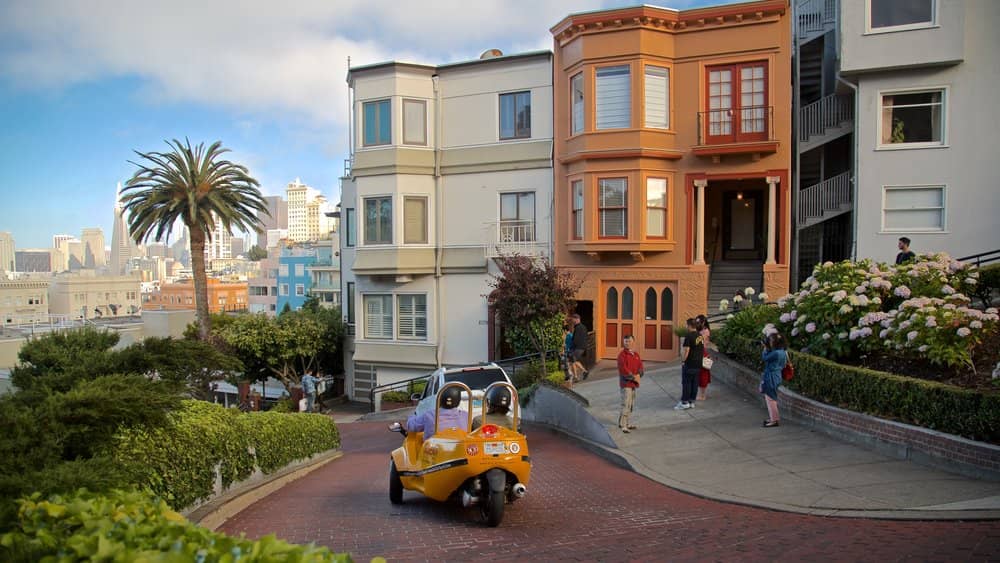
<point>257,56</point>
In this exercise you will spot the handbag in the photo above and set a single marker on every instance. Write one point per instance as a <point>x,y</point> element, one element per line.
<point>788,372</point>
<point>706,362</point>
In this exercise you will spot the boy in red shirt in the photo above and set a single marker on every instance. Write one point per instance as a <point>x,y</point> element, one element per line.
<point>629,373</point>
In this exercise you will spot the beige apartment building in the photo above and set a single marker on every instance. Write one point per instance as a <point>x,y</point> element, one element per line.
<point>89,296</point>
<point>23,301</point>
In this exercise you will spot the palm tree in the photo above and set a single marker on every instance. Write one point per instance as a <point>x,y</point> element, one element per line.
<point>200,189</point>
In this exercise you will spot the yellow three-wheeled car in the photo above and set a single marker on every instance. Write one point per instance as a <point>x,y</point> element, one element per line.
<point>486,466</point>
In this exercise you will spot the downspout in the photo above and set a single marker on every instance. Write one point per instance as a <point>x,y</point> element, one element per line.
<point>438,224</point>
<point>797,141</point>
<point>854,169</point>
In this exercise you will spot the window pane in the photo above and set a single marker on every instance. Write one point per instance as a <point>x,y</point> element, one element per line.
<point>415,122</point>
<point>515,115</point>
<point>378,316</point>
<point>378,220</point>
<point>667,305</point>
<point>577,209</point>
<point>415,220</point>
<point>350,302</point>
<point>914,219</point>
<point>614,97</point>
<point>370,123</point>
<point>656,203</point>
<point>650,304</point>
<point>526,206</point>
<point>912,118</point>
<point>612,304</point>
<point>524,114</point>
<point>349,220</point>
<point>920,208</point>
<point>376,123</point>
<point>612,201</point>
<point>508,207</point>
<point>657,89</point>
<point>576,85</point>
<point>384,122</point>
<point>627,304</point>
<point>506,116</point>
<point>412,314</point>
<point>889,13</point>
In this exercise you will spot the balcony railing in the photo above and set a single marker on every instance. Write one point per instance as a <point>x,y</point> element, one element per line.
<point>736,125</point>
<point>816,17</point>
<point>827,197</point>
<point>512,237</point>
<point>826,113</point>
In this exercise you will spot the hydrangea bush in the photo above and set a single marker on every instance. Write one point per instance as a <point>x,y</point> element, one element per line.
<point>918,309</point>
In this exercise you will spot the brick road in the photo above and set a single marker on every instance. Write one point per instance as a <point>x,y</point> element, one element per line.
<point>578,507</point>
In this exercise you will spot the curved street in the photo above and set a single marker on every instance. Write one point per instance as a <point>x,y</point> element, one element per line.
<point>579,507</point>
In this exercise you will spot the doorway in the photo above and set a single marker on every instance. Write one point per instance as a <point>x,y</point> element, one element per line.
<point>644,310</point>
<point>744,234</point>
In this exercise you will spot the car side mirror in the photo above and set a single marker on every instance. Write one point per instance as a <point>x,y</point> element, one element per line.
<point>415,397</point>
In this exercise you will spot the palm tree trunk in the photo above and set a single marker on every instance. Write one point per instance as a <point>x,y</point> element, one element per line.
<point>200,281</point>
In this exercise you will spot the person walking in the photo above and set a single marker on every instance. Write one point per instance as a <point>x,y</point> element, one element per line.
<point>905,254</point>
<point>692,352</point>
<point>775,357</point>
<point>568,352</point>
<point>309,382</point>
<point>580,338</point>
<point>705,375</point>
<point>630,373</point>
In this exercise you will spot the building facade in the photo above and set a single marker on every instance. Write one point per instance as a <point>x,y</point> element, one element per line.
<point>294,280</point>
<point>307,209</point>
<point>263,287</point>
<point>672,160</point>
<point>94,255</point>
<point>88,296</point>
<point>924,72</point>
<point>222,296</point>
<point>6,252</point>
<point>451,167</point>
<point>23,301</point>
<point>122,246</point>
<point>276,218</point>
<point>36,260</point>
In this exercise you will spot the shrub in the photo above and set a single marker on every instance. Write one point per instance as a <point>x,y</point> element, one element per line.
<point>396,397</point>
<point>526,375</point>
<point>132,526</point>
<point>179,461</point>
<point>989,284</point>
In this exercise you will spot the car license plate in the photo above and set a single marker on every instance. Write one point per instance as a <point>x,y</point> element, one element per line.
<point>494,448</point>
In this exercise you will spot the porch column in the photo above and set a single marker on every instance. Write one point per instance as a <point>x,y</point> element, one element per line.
<point>699,213</point>
<point>772,216</point>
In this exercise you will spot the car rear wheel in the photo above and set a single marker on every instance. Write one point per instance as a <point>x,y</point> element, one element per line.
<point>395,485</point>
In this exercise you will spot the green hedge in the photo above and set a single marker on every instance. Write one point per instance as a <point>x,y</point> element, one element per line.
<point>133,526</point>
<point>179,461</point>
<point>929,404</point>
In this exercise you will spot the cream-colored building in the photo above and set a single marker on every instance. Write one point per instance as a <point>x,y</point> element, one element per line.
<point>23,301</point>
<point>85,295</point>
<point>6,252</point>
<point>451,166</point>
<point>94,255</point>
<point>306,213</point>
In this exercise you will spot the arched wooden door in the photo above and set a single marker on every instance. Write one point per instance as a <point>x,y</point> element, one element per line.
<point>644,310</point>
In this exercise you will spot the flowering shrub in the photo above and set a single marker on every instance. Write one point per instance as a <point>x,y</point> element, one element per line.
<point>919,309</point>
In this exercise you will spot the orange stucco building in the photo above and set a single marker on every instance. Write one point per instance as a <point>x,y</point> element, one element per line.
<point>222,296</point>
<point>672,156</point>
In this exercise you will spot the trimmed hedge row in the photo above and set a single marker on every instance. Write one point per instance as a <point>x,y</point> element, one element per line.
<point>179,461</point>
<point>133,526</point>
<point>938,406</point>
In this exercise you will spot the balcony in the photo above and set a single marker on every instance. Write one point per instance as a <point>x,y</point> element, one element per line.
<point>506,238</point>
<point>824,120</point>
<point>747,130</point>
<point>825,200</point>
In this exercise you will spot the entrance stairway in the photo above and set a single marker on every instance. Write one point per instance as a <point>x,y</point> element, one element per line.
<point>729,276</point>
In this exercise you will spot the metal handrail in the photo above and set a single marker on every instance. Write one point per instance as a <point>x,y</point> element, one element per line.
<point>825,113</point>
<point>394,386</point>
<point>825,196</point>
<point>730,125</point>
<point>982,257</point>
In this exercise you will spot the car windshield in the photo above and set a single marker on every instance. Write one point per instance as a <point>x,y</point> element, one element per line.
<point>477,379</point>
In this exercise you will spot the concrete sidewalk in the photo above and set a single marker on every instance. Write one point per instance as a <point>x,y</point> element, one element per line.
<point>719,450</point>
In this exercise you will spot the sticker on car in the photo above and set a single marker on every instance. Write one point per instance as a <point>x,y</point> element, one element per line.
<point>494,448</point>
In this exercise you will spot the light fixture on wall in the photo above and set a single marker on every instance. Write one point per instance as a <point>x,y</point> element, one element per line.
<point>739,195</point>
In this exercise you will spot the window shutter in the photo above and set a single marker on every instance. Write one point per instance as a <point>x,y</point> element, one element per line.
<point>657,97</point>
<point>415,220</point>
<point>614,97</point>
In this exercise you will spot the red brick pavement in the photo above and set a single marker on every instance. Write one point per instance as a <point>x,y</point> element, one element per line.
<point>579,507</point>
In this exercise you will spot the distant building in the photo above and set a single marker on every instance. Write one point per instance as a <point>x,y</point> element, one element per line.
<point>263,287</point>
<point>70,253</point>
<point>157,250</point>
<point>222,296</point>
<point>88,296</point>
<point>34,260</point>
<point>294,280</point>
<point>23,301</point>
<point>274,237</point>
<point>237,247</point>
<point>6,252</point>
<point>325,276</point>
<point>306,213</point>
<point>278,218</point>
<point>219,246</point>
<point>122,247</point>
<point>93,247</point>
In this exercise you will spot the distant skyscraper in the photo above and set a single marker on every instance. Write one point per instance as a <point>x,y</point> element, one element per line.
<point>156,250</point>
<point>238,245</point>
<point>57,240</point>
<point>93,247</point>
<point>122,247</point>
<point>305,208</point>
<point>33,260</point>
<point>70,251</point>
<point>220,246</point>
<point>6,252</point>
<point>278,220</point>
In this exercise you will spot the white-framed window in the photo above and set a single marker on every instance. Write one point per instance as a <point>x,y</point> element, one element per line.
<point>300,289</point>
<point>300,270</point>
<point>577,190</point>
<point>378,220</point>
<point>657,97</point>
<point>913,209</point>
<point>283,270</point>
<point>912,118</point>
<point>414,122</point>
<point>899,15</point>
<point>377,123</point>
<point>349,226</point>
<point>378,316</point>
<point>411,310</point>
<point>283,289</point>
<point>613,207</point>
<point>414,220</point>
<point>515,115</point>
<point>614,97</point>
<point>517,216</point>
<point>576,103</point>
<point>656,207</point>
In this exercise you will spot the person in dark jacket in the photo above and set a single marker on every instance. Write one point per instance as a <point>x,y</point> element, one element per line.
<point>692,352</point>
<point>775,357</point>
<point>580,338</point>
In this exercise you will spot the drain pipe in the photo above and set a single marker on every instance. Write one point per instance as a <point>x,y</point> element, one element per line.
<point>438,223</point>
<point>855,171</point>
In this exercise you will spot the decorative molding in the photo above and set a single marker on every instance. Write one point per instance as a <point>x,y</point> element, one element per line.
<point>637,256</point>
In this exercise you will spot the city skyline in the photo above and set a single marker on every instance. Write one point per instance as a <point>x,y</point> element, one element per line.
<point>82,87</point>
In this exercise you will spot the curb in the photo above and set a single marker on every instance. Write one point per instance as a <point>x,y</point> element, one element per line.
<point>215,512</point>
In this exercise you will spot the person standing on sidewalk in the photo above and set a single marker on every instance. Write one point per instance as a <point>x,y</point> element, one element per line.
<point>692,351</point>
<point>705,375</point>
<point>630,371</point>
<point>580,338</point>
<point>309,382</point>
<point>775,357</point>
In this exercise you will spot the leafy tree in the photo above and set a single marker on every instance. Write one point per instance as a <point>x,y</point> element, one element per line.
<point>256,253</point>
<point>55,362</point>
<point>329,358</point>
<point>192,364</point>
<point>528,294</point>
<point>286,345</point>
<point>199,188</point>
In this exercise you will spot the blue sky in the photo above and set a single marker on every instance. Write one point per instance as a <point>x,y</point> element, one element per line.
<point>83,84</point>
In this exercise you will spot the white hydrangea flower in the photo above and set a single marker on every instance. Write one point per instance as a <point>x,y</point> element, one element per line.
<point>724,305</point>
<point>749,291</point>
<point>763,297</point>
<point>964,331</point>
